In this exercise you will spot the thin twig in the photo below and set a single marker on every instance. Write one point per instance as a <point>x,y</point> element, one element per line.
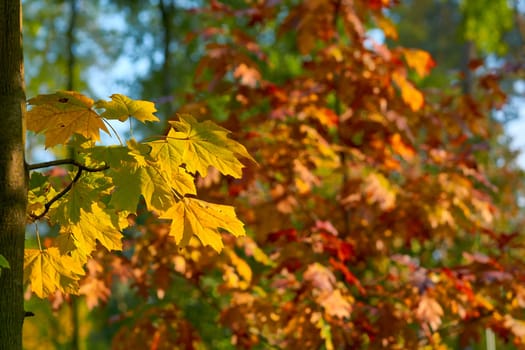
<point>58,196</point>
<point>81,167</point>
<point>66,161</point>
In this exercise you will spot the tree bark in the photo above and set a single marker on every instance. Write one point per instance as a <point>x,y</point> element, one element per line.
<point>13,175</point>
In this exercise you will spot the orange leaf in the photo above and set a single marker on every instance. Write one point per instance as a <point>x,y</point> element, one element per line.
<point>386,25</point>
<point>419,60</point>
<point>401,148</point>
<point>249,76</point>
<point>429,311</point>
<point>412,96</point>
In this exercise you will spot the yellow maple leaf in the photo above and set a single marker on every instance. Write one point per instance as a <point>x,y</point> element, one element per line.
<point>242,267</point>
<point>62,114</point>
<point>96,225</point>
<point>47,270</point>
<point>200,145</point>
<point>122,107</point>
<point>205,220</point>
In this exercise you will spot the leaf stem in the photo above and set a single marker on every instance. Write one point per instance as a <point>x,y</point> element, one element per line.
<point>37,232</point>
<point>130,129</point>
<point>114,131</point>
<point>66,161</point>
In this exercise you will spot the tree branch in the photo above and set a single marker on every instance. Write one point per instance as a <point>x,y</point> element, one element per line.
<point>58,196</point>
<point>66,161</point>
<point>81,167</point>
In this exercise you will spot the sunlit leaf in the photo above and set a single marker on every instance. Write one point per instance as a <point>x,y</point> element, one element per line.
<point>63,114</point>
<point>419,60</point>
<point>430,311</point>
<point>201,145</point>
<point>47,270</point>
<point>170,161</point>
<point>122,107</point>
<point>96,225</point>
<point>81,195</point>
<point>412,96</point>
<point>205,220</point>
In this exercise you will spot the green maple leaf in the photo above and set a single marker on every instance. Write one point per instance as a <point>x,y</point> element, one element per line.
<point>79,197</point>
<point>47,270</point>
<point>63,114</point>
<point>200,145</point>
<point>122,107</point>
<point>205,220</point>
<point>134,172</point>
<point>113,156</point>
<point>149,181</point>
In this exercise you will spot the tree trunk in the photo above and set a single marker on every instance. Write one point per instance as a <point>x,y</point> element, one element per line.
<point>13,176</point>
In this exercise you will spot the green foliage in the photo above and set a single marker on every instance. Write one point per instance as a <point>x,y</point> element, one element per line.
<point>486,22</point>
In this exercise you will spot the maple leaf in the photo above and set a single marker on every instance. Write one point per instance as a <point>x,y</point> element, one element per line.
<point>149,181</point>
<point>113,156</point>
<point>515,325</point>
<point>200,145</point>
<point>378,189</point>
<point>320,277</point>
<point>419,60</point>
<point>335,304</point>
<point>249,76</point>
<point>122,107</point>
<point>95,291</point>
<point>429,311</point>
<point>96,225</point>
<point>205,220</point>
<point>412,96</point>
<point>143,169</point>
<point>63,114</point>
<point>169,160</point>
<point>387,26</point>
<point>242,267</point>
<point>47,270</point>
<point>80,196</point>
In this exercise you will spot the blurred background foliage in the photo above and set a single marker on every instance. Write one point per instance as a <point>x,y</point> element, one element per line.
<point>151,50</point>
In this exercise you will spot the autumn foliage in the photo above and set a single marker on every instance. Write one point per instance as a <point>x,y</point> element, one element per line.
<point>378,214</point>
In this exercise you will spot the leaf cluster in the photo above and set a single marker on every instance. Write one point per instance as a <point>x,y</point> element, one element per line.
<point>91,203</point>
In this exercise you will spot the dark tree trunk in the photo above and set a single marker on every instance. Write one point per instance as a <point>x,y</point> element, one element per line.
<point>13,176</point>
